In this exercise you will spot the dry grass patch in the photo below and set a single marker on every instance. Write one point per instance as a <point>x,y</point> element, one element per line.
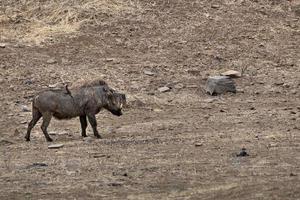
<point>36,21</point>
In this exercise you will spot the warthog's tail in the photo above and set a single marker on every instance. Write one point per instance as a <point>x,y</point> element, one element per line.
<point>68,91</point>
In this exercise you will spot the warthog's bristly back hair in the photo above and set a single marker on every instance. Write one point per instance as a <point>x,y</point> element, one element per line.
<point>89,83</point>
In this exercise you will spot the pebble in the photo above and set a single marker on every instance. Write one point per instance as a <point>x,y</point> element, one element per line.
<point>215,6</point>
<point>28,82</point>
<point>55,146</point>
<point>164,89</point>
<point>37,165</point>
<point>198,144</point>
<point>242,153</point>
<point>149,73</point>
<point>25,108</point>
<point>56,85</point>
<point>2,45</point>
<point>51,61</point>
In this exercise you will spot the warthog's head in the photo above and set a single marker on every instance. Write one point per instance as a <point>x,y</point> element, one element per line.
<point>115,103</point>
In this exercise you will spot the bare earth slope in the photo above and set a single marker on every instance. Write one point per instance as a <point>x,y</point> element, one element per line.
<point>181,144</point>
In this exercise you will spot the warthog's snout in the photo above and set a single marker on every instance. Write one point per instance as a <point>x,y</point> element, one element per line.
<point>117,112</point>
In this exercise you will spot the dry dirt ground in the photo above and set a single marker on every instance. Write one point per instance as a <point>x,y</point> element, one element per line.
<point>181,144</point>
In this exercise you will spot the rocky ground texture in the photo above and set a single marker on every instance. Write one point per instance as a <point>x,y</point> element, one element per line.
<point>174,141</point>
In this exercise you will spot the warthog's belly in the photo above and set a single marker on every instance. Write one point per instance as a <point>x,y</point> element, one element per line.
<point>61,116</point>
<point>67,110</point>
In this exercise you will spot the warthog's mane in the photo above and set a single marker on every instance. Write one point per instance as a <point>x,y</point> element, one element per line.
<point>89,83</point>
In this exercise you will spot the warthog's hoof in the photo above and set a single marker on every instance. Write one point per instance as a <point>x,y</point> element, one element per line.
<point>98,136</point>
<point>27,139</point>
<point>49,140</point>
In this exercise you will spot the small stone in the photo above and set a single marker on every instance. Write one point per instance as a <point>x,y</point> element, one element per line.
<point>37,165</point>
<point>293,112</point>
<point>149,73</point>
<point>51,61</point>
<point>28,82</point>
<point>292,174</point>
<point>157,110</point>
<point>164,89</point>
<point>109,59</point>
<point>23,122</point>
<point>198,144</point>
<point>215,6</point>
<point>2,45</point>
<point>56,85</point>
<point>242,153</point>
<point>115,184</point>
<point>278,83</point>
<point>53,133</point>
<point>55,146</point>
<point>232,74</point>
<point>272,145</point>
<point>192,86</point>
<point>25,108</point>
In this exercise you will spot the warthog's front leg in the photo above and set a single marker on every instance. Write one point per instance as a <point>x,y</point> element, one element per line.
<point>93,122</point>
<point>46,121</point>
<point>83,123</point>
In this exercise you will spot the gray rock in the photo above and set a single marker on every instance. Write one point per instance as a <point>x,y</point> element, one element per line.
<point>220,85</point>
<point>164,89</point>
<point>2,45</point>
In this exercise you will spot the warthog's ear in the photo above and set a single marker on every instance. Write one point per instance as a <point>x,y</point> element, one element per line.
<point>123,97</point>
<point>108,92</point>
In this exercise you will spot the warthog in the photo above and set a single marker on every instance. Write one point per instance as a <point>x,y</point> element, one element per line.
<point>83,102</point>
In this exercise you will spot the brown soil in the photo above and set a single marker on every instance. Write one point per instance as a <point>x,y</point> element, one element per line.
<point>174,145</point>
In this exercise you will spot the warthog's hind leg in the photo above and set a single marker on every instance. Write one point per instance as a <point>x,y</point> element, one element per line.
<point>36,115</point>
<point>46,121</point>
<point>83,123</point>
<point>93,122</point>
